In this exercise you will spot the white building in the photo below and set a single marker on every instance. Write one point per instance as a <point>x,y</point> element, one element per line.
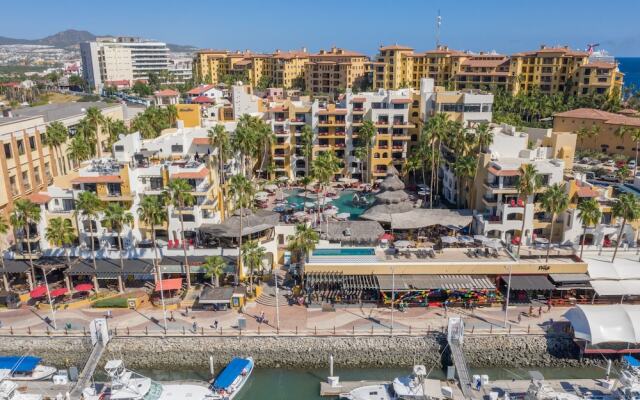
<point>181,69</point>
<point>116,59</point>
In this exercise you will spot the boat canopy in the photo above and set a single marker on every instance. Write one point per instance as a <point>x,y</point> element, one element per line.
<point>19,364</point>
<point>230,373</point>
<point>616,323</point>
<point>632,361</point>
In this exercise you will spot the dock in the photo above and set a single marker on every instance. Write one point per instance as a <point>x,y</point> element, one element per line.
<point>326,390</point>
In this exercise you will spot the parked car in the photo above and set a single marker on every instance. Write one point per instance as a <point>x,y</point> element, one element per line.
<point>609,163</point>
<point>631,164</point>
<point>620,163</point>
<point>609,178</point>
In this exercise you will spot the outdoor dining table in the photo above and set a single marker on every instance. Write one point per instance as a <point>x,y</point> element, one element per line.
<point>404,243</point>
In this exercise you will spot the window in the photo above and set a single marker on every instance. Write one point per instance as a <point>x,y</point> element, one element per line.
<point>7,150</point>
<point>14,187</point>
<point>155,183</point>
<point>36,175</point>
<point>25,180</point>
<point>47,170</point>
<point>119,148</point>
<point>32,143</point>
<point>20,147</point>
<point>176,148</point>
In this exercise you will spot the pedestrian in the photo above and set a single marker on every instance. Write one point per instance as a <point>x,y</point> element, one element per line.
<point>540,311</point>
<point>195,326</point>
<point>171,317</point>
<point>186,311</point>
<point>519,318</point>
<point>548,306</point>
<point>215,324</point>
<point>531,311</point>
<point>262,317</point>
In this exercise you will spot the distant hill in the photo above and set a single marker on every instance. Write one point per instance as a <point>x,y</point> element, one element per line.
<point>72,37</point>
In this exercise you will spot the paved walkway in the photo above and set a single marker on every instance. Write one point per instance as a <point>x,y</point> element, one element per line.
<point>294,319</point>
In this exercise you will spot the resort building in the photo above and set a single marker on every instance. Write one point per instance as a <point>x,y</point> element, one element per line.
<point>114,59</point>
<point>333,71</point>
<point>599,130</point>
<point>494,196</point>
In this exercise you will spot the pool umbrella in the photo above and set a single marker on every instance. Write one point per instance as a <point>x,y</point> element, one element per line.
<point>330,211</point>
<point>309,204</point>
<point>283,178</point>
<point>449,239</point>
<point>84,287</point>
<point>401,244</point>
<point>343,216</point>
<point>493,244</point>
<point>59,292</point>
<point>262,194</point>
<point>38,292</point>
<point>480,238</point>
<point>465,239</point>
<point>271,187</point>
<point>299,214</point>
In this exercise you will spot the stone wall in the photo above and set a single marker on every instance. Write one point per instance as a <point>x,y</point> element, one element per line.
<point>304,352</point>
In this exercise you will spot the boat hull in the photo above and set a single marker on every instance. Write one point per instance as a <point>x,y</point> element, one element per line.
<point>237,385</point>
<point>40,373</point>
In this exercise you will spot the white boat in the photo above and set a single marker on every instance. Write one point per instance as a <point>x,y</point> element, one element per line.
<point>629,379</point>
<point>128,385</point>
<point>370,392</point>
<point>232,378</point>
<point>541,390</point>
<point>26,368</point>
<point>9,391</point>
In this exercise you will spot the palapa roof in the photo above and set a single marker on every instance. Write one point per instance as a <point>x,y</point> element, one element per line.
<point>252,222</point>
<point>423,217</point>
<point>353,231</point>
<point>392,196</point>
<point>392,182</point>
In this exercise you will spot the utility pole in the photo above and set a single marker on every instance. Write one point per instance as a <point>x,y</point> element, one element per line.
<point>506,303</point>
<point>53,311</point>
<point>438,24</point>
<point>393,294</point>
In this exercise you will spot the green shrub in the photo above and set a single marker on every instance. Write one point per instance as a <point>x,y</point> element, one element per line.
<point>114,302</point>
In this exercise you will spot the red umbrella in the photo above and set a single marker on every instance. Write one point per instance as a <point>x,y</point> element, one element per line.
<point>58,292</point>
<point>386,236</point>
<point>84,287</point>
<point>38,292</point>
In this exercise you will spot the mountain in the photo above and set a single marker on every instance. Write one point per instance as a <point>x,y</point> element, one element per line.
<point>72,37</point>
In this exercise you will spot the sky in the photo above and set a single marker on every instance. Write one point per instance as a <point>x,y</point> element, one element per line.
<point>506,26</point>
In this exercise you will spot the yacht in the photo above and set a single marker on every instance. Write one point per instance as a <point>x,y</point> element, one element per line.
<point>370,392</point>
<point>24,368</point>
<point>9,391</point>
<point>541,390</point>
<point>129,385</point>
<point>232,378</point>
<point>412,387</point>
<point>629,379</point>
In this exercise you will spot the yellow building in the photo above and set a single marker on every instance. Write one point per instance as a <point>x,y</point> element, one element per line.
<point>332,71</point>
<point>189,114</point>
<point>288,68</point>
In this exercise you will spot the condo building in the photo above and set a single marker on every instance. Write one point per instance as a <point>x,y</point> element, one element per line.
<point>110,60</point>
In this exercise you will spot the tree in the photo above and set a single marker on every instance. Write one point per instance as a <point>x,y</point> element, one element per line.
<point>4,228</point>
<point>55,135</point>
<point>325,166</point>
<point>116,218</point>
<point>152,212</point>
<point>306,139</point>
<point>77,82</point>
<point>245,141</point>
<point>528,182</point>
<point>88,207</point>
<point>141,89</point>
<point>214,268</point>
<point>78,150</point>
<point>622,173</point>
<point>301,243</point>
<point>626,207</point>
<point>24,214</point>
<point>590,214</point>
<point>635,137</point>
<point>242,191</point>
<point>484,136</point>
<point>361,153</point>
<point>219,139</point>
<point>252,256</point>
<point>554,201</point>
<point>61,233</point>
<point>464,168</point>
<point>96,120</point>
<point>367,134</point>
<point>264,82</point>
<point>620,133</point>
<point>178,195</point>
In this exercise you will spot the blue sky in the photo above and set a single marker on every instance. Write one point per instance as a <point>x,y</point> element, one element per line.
<point>504,26</point>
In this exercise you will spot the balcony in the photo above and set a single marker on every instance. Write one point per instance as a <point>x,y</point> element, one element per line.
<point>358,109</point>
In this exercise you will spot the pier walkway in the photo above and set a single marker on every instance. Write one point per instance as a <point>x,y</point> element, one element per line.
<point>455,338</point>
<point>99,338</point>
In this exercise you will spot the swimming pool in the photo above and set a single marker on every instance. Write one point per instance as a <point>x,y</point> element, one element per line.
<point>356,251</point>
<point>344,202</point>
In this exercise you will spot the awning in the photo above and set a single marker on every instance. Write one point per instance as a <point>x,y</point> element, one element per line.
<point>16,266</point>
<point>169,284</point>
<point>110,268</point>
<point>38,292</point>
<point>59,292</point>
<point>569,278</point>
<point>619,323</point>
<point>600,267</point>
<point>217,295</point>
<point>528,282</point>
<point>336,280</point>
<point>629,287</point>
<point>425,282</point>
<point>84,287</point>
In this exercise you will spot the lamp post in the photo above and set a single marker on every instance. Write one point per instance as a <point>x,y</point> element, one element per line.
<point>53,311</point>
<point>506,304</point>
<point>164,309</point>
<point>393,294</point>
<point>275,278</point>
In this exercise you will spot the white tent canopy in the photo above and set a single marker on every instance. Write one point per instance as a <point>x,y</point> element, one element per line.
<point>619,323</point>
<point>629,287</point>
<point>602,268</point>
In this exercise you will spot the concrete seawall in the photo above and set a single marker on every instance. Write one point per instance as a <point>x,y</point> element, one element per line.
<point>305,352</point>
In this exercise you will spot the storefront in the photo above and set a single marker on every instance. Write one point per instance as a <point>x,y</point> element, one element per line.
<point>525,288</point>
<point>328,287</point>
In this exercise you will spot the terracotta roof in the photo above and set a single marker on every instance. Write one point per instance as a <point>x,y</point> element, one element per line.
<point>203,99</point>
<point>120,82</point>
<point>586,191</point>
<point>358,100</point>
<point>337,111</point>
<point>200,140</point>
<point>481,62</point>
<point>607,117</point>
<point>191,175</point>
<point>167,93</point>
<point>628,111</point>
<point>338,53</point>
<point>291,54</point>
<point>478,73</point>
<point>599,64</point>
<point>200,89</point>
<point>563,50</point>
<point>278,109</point>
<point>503,172</point>
<point>441,51</point>
<point>400,101</point>
<point>243,62</point>
<point>40,198</point>
<point>395,47</point>
<point>97,179</point>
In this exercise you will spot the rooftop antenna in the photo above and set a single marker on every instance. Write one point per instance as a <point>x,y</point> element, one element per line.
<point>438,23</point>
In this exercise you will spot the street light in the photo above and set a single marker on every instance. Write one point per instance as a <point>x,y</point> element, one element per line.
<point>275,278</point>
<point>393,293</point>
<point>53,311</point>
<point>506,304</point>
<point>164,309</point>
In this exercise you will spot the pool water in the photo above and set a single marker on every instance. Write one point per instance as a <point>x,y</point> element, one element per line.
<point>343,202</point>
<point>345,252</point>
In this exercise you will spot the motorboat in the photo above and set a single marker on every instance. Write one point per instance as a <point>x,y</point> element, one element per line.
<point>24,368</point>
<point>9,391</point>
<point>370,392</point>
<point>418,386</point>
<point>128,385</point>
<point>539,389</point>
<point>232,378</point>
<point>629,379</point>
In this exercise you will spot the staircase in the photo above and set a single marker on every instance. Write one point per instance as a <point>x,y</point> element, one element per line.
<point>455,338</point>
<point>268,295</point>
<point>89,368</point>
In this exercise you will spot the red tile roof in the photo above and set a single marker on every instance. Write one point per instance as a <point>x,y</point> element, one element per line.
<point>337,111</point>
<point>400,101</point>
<point>503,172</point>
<point>599,64</point>
<point>200,140</point>
<point>167,93</point>
<point>169,284</point>
<point>40,198</point>
<point>586,191</point>
<point>485,63</point>
<point>358,99</point>
<point>191,175</point>
<point>605,116</point>
<point>395,47</point>
<point>97,179</point>
<point>203,99</point>
<point>200,89</point>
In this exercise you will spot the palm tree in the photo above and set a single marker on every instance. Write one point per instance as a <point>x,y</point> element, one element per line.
<point>264,139</point>
<point>620,133</point>
<point>78,150</point>
<point>219,139</point>
<point>411,166</point>
<point>367,134</point>
<point>528,182</point>
<point>245,140</point>
<point>325,166</point>
<point>116,218</point>
<point>464,168</point>
<point>360,153</point>
<point>242,191</point>
<point>622,173</point>
<point>61,233</point>
<point>626,207</point>
<point>214,268</point>
<point>484,136</point>
<point>4,228</point>
<point>24,214</point>
<point>178,195</point>
<point>590,214</point>
<point>554,201</point>
<point>88,207</point>
<point>172,114</point>
<point>86,132</point>
<point>55,135</point>
<point>95,118</point>
<point>303,241</point>
<point>252,255</point>
<point>152,212</point>
<point>635,137</point>
<point>305,181</point>
<point>306,139</point>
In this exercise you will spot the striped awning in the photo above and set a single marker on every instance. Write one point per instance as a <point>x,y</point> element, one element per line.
<point>424,282</point>
<point>344,282</point>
